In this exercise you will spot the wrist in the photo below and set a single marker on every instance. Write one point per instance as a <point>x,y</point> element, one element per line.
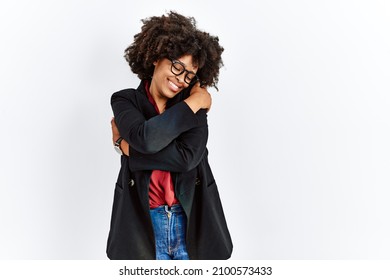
<point>125,147</point>
<point>117,145</point>
<point>193,104</point>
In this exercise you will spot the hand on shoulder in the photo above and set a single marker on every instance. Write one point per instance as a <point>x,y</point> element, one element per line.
<point>199,98</point>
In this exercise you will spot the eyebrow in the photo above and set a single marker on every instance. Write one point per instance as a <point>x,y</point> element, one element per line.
<point>185,65</point>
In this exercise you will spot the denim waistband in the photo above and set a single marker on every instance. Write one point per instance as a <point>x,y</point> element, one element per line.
<point>175,208</point>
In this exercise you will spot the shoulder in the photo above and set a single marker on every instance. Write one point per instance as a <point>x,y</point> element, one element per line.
<point>130,93</point>
<point>125,93</point>
<point>130,98</point>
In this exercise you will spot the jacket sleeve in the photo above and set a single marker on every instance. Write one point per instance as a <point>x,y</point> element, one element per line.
<point>174,140</point>
<point>181,155</point>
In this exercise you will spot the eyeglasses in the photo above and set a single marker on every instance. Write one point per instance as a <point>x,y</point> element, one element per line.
<point>178,68</point>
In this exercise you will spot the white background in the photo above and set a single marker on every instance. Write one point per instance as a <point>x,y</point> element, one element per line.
<point>299,131</point>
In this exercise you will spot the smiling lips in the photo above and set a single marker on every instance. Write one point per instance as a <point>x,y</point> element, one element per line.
<point>173,86</point>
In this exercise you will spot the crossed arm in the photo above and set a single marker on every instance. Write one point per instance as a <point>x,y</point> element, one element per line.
<point>173,141</point>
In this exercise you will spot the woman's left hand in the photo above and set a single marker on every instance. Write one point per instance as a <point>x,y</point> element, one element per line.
<point>115,136</point>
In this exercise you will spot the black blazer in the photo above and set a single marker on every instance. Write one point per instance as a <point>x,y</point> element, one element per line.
<point>174,141</point>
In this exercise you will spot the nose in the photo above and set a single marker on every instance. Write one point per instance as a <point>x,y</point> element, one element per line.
<point>180,78</point>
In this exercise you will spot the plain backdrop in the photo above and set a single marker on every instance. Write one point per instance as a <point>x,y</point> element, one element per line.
<point>299,130</point>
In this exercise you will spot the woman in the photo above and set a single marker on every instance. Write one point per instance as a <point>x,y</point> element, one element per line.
<point>166,202</point>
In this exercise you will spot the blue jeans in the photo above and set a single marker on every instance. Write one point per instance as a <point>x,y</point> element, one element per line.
<point>170,225</point>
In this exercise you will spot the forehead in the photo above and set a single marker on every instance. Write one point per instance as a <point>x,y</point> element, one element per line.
<point>187,61</point>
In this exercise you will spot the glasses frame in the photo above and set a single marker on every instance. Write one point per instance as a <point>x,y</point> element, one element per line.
<point>186,78</point>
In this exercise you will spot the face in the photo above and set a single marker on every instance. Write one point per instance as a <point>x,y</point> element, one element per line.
<point>165,84</point>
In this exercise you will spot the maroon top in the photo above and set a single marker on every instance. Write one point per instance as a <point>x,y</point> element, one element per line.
<point>161,189</point>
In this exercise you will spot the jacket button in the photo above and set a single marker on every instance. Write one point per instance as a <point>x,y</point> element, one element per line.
<point>131,183</point>
<point>197,182</point>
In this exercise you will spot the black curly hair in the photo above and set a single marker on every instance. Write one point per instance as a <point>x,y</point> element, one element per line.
<point>172,36</point>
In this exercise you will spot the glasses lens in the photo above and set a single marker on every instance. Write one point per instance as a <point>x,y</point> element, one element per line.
<point>177,68</point>
<point>190,77</point>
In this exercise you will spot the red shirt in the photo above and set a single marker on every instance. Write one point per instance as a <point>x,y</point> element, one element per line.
<point>161,189</point>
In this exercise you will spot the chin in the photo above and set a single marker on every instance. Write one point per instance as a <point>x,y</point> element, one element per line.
<point>170,94</point>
